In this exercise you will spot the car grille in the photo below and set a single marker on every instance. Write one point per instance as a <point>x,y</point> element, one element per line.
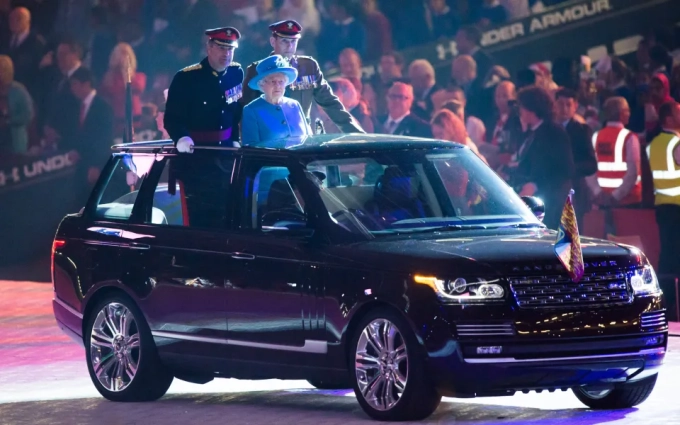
<point>490,329</point>
<point>594,289</point>
<point>653,320</point>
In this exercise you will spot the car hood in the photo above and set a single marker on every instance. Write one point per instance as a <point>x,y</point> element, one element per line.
<point>518,252</point>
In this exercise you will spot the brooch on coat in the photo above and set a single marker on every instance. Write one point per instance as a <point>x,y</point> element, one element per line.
<point>305,82</point>
<point>234,94</point>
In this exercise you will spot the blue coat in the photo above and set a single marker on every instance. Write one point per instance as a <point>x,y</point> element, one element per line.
<point>264,122</point>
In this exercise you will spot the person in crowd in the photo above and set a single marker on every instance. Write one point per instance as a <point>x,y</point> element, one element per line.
<point>445,21</point>
<point>378,31</point>
<point>310,85</point>
<point>351,69</point>
<point>617,81</point>
<point>306,13</point>
<point>189,18</point>
<point>474,126</point>
<point>659,93</point>
<point>446,125</point>
<point>341,31</point>
<point>545,164</point>
<point>94,131</point>
<point>273,116</point>
<point>468,42</point>
<point>351,100</point>
<point>464,75</point>
<point>399,119</point>
<point>664,160</point>
<point>585,162</point>
<point>16,110</point>
<point>203,99</point>
<point>390,69</point>
<point>422,77</point>
<point>26,49</point>
<point>61,106</point>
<point>504,141</point>
<point>617,182</point>
<point>123,63</point>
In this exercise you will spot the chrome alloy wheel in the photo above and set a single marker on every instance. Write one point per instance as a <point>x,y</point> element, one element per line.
<point>114,347</point>
<point>381,364</point>
<point>596,394</point>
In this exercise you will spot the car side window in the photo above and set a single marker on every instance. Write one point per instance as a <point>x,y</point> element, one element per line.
<point>272,201</point>
<point>193,191</point>
<point>120,192</point>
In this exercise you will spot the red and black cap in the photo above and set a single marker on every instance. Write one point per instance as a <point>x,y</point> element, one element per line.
<point>227,36</point>
<point>286,29</point>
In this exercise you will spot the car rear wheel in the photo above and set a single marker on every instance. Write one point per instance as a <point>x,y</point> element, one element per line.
<point>388,369</point>
<point>628,395</point>
<point>121,355</point>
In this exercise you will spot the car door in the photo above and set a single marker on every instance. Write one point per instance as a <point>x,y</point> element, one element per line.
<point>185,223</point>
<point>272,314</point>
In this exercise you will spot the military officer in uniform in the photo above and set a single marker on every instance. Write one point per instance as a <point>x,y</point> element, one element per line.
<point>310,84</point>
<point>203,108</point>
<point>203,100</point>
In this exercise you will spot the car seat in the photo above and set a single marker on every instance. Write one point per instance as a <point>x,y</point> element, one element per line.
<point>396,197</point>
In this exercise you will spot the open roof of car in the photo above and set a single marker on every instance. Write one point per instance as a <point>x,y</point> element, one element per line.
<point>323,143</point>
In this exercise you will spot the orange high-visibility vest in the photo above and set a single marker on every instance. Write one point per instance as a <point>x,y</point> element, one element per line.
<point>610,150</point>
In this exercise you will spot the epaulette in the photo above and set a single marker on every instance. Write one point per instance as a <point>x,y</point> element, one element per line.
<point>235,64</point>
<point>192,67</point>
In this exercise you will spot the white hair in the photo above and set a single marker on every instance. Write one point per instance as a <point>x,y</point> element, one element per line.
<point>423,64</point>
<point>260,83</point>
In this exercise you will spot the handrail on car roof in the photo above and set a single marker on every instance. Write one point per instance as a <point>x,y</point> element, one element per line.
<point>163,145</point>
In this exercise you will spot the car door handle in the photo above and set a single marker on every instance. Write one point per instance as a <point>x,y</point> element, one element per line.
<point>137,245</point>
<point>242,256</point>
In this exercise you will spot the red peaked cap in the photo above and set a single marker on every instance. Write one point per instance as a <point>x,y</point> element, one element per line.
<point>286,29</point>
<point>227,36</point>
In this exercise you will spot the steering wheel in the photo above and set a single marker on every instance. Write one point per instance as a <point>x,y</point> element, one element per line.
<point>287,214</point>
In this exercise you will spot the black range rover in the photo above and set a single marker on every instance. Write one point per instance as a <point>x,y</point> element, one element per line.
<point>403,268</point>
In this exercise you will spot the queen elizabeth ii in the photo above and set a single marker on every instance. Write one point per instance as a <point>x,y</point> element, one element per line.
<point>272,116</point>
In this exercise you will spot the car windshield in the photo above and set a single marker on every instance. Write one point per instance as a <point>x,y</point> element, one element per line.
<point>383,193</point>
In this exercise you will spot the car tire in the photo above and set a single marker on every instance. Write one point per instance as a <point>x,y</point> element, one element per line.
<point>330,384</point>
<point>628,395</point>
<point>388,369</point>
<point>121,355</point>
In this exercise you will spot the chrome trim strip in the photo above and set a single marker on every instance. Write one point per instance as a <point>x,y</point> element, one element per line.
<point>558,359</point>
<point>68,307</point>
<point>311,346</point>
<point>117,244</point>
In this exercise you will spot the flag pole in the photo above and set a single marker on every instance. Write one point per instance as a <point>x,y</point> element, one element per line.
<point>128,132</point>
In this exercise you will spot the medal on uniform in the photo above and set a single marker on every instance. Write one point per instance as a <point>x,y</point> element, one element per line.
<point>234,94</point>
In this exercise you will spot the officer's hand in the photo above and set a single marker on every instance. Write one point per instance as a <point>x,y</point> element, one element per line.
<point>185,145</point>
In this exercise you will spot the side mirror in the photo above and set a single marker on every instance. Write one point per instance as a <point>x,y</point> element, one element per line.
<point>536,206</point>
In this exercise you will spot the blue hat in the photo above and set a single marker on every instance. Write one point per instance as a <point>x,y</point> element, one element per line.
<point>273,65</point>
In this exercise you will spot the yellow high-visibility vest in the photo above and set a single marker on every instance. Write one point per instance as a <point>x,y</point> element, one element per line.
<point>665,172</point>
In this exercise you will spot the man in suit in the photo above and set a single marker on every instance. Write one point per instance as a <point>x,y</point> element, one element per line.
<point>94,130</point>
<point>310,84</point>
<point>468,41</point>
<point>25,48</point>
<point>400,120</point>
<point>545,164</point>
<point>59,102</point>
<point>422,77</point>
<point>585,161</point>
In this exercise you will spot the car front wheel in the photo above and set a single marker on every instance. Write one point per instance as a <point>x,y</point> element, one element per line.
<point>388,369</point>
<point>628,395</point>
<point>121,354</point>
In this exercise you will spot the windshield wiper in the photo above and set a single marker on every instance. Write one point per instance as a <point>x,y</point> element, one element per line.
<point>524,226</point>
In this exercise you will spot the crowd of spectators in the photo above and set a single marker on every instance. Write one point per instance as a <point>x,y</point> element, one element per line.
<point>64,65</point>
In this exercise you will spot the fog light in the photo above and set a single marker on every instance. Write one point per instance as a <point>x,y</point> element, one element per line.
<point>654,340</point>
<point>489,350</point>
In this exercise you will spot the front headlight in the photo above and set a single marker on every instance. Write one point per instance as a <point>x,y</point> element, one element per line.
<point>644,281</point>
<point>464,289</point>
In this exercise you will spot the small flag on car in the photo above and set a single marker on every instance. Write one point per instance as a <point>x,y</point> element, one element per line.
<point>568,243</point>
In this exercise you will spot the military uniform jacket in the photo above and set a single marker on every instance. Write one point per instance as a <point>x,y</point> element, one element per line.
<point>202,102</point>
<point>310,85</point>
